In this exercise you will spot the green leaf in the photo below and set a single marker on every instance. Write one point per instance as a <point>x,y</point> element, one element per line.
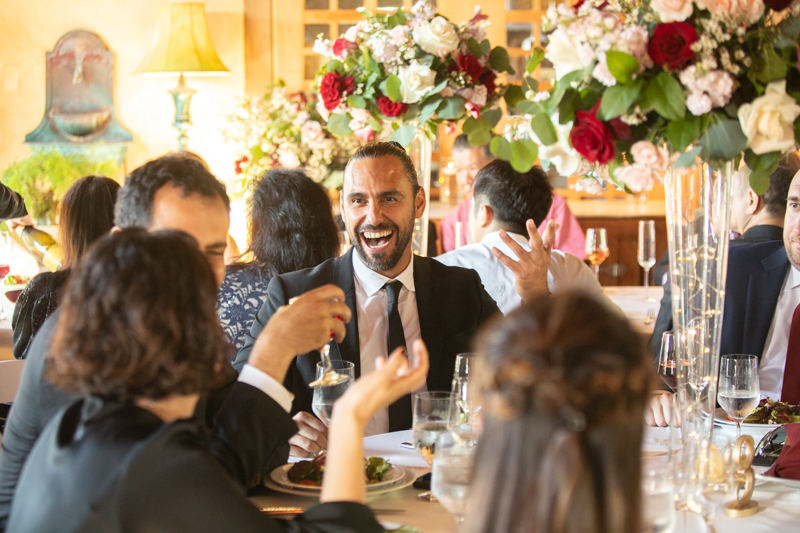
<point>485,46</point>
<point>492,117</point>
<point>430,106</point>
<point>543,127</point>
<point>475,47</point>
<point>398,18</point>
<point>439,88</point>
<point>682,133</point>
<point>537,56</point>
<point>567,107</point>
<point>724,140</point>
<point>452,108</point>
<point>768,65</point>
<point>480,137</point>
<point>334,65</point>
<point>666,96</point>
<point>761,162</point>
<point>499,60</point>
<point>791,28</point>
<point>393,88</point>
<point>357,101</point>
<point>759,181</point>
<point>621,65</point>
<point>524,153</point>
<point>514,95</point>
<point>688,159</point>
<point>500,148</point>
<point>411,113</point>
<point>619,99</point>
<point>472,125</point>
<point>338,125</point>
<point>530,84</point>
<point>561,87</point>
<point>404,134</point>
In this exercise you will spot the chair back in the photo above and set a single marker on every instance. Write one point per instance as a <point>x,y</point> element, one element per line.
<point>10,373</point>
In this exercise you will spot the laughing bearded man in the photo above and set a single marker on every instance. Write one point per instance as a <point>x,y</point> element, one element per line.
<point>395,296</point>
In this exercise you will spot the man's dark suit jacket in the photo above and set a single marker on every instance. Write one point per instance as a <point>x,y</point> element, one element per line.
<point>451,302</point>
<point>250,431</point>
<point>755,235</point>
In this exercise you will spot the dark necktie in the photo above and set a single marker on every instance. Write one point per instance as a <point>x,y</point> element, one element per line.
<point>791,370</point>
<point>399,411</point>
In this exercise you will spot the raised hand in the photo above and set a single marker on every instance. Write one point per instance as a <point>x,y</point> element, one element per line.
<point>530,271</point>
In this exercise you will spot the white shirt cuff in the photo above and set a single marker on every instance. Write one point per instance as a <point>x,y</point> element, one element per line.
<point>268,385</point>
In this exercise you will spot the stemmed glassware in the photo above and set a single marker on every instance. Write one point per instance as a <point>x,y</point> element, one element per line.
<point>596,248</point>
<point>738,391</point>
<point>646,253</point>
<point>431,411</point>
<point>324,397</point>
<point>452,471</point>
<point>463,420</point>
<point>667,363</point>
<point>658,507</point>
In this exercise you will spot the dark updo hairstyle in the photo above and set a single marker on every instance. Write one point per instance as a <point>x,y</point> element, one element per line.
<point>86,213</point>
<point>564,381</point>
<point>138,320</point>
<point>291,223</point>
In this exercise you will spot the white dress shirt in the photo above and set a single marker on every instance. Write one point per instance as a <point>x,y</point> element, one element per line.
<point>373,310</point>
<point>773,359</point>
<point>566,272</point>
<point>268,385</point>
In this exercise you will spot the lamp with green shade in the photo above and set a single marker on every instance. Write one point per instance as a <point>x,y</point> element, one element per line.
<point>181,44</point>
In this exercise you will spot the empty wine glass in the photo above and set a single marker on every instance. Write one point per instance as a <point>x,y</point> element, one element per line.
<point>720,488</point>
<point>646,253</point>
<point>463,420</point>
<point>667,364</point>
<point>431,411</point>
<point>738,391</point>
<point>324,397</point>
<point>658,506</point>
<point>452,471</point>
<point>596,248</point>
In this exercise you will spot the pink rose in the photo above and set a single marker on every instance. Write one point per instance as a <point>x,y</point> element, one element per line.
<point>311,133</point>
<point>750,10</point>
<point>637,178</point>
<point>398,34</point>
<point>716,6</point>
<point>673,10</point>
<point>366,133</point>
<point>651,156</point>
<point>699,103</point>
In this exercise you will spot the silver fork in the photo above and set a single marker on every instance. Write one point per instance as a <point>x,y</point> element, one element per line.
<point>650,317</point>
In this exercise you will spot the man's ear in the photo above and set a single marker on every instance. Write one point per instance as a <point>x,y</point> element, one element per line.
<point>485,216</point>
<point>754,202</point>
<point>419,203</point>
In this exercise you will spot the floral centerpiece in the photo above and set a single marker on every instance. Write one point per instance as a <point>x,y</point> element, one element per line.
<point>638,83</point>
<point>283,130</point>
<point>392,74</point>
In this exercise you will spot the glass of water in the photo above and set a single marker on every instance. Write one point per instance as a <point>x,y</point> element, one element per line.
<point>431,412</point>
<point>464,420</point>
<point>325,397</point>
<point>738,391</point>
<point>452,471</point>
<point>646,253</point>
<point>658,505</point>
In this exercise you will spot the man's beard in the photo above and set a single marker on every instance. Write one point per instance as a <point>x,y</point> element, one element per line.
<point>382,262</point>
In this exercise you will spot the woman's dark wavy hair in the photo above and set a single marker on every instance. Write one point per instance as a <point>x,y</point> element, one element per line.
<point>291,223</point>
<point>86,213</point>
<point>138,320</point>
<point>564,382</point>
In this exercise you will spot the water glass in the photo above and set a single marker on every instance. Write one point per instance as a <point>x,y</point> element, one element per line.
<point>646,253</point>
<point>738,392</point>
<point>431,411</point>
<point>596,248</point>
<point>464,419</point>
<point>720,488</point>
<point>658,505</point>
<point>667,364</point>
<point>452,472</point>
<point>325,397</point>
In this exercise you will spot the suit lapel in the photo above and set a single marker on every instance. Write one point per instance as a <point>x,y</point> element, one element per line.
<point>430,311</point>
<point>763,292</point>
<point>348,349</point>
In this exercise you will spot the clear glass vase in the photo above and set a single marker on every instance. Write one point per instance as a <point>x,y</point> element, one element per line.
<point>420,151</point>
<point>698,221</point>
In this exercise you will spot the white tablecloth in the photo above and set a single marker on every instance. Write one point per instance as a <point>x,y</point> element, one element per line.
<point>779,505</point>
<point>629,299</point>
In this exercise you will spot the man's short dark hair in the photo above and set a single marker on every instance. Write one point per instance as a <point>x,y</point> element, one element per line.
<point>775,196</point>
<point>514,197</point>
<point>462,143</point>
<point>135,202</point>
<point>393,149</point>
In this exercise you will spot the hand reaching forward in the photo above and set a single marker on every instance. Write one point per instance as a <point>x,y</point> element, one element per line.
<point>530,271</point>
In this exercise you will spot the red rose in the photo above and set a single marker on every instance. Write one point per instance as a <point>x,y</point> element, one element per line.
<point>671,44</point>
<point>592,138</point>
<point>622,131</point>
<point>333,87</point>
<point>389,108</point>
<point>341,47</point>
<point>470,66</point>
<point>487,79</point>
<point>778,5</point>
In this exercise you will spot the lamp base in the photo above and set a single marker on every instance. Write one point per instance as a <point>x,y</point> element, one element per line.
<point>182,95</point>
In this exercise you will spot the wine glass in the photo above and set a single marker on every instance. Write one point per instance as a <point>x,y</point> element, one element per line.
<point>5,268</point>
<point>452,471</point>
<point>596,248</point>
<point>463,420</point>
<point>739,391</point>
<point>720,488</point>
<point>667,364</point>
<point>431,411</point>
<point>646,253</point>
<point>325,397</point>
<point>658,506</point>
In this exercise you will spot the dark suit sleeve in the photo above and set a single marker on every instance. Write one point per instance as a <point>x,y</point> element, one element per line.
<point>12,205</point>
<point>276,297</point>
<point>664,319</point>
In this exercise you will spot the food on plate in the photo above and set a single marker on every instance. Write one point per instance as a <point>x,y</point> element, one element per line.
<point>16,279</point>
<point>311,472</point>
<point>773,412</point>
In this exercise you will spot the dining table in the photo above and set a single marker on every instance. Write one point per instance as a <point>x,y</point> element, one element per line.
<point>779,504</point>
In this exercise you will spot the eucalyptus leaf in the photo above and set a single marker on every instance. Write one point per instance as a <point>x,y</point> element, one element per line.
<point>338,125</point>
<point>499,60</point>
<point>561,87</point>
<point>500,147</point>
<point>530,107</point>
<point>404,134</point>
<point>452,108</point>
<point>472,125</point>
<point>621,65</point>
<point>492,117</point>
<point>429,108</point>
<point>530,84</point>
<point>666,96</point>
<point>537,56</point>
<point>357,101</point>
<point>568,105</point>
<point>426,59</point>
<point>688,159</point>
<point>619,99</point>
<point>475,47</point>
<point>682,133</point>
<point>480,137</point>
<point>333,65</point>
<point>393,88</point>
<point>543,127</point>
<point>759,181</point>
<point>724,140</point>
<point>486,46</point>
<point>411,113</point>
<point>513,96</point>
<point>439,88</point>
<point>768,65</point>
<point>761,162</point>
<point>524,154</point>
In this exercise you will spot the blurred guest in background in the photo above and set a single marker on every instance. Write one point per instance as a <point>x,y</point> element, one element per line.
<point>469,160</point>
<point>564,384</point>
<point>291,228</point>
<point>86,213</point>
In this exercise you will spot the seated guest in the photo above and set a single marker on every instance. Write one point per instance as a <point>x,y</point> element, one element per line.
<point>139,341</point>
<point>563,383</point>
<point>758,218</point>
<point>504,202</point>
<point>86,213</point>
<point>469,160</point>
<point>395,297</point>
<point>760,316</point>
<point>291,228</point>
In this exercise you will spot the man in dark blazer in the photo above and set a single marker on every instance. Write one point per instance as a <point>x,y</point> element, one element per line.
<point>443,305</point>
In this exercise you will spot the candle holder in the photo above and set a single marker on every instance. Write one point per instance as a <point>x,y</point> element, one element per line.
<point>745,478</point>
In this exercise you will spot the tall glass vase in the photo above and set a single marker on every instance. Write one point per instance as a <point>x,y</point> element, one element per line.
<point>698,221</point>
<point>420,151</point>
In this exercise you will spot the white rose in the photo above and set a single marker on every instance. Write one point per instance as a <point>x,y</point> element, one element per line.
<point>768,121</point>
<point>561,154</point>
<point>415,80</point>
<point>750,10</point>
<point>637,177</point>
<point>673,10</point>
<point>562,51</point>
<point>437,37</point>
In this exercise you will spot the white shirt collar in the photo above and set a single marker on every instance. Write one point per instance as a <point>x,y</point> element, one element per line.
<point>494,237</point>
<point>794,278</point>
<point>373,281</point>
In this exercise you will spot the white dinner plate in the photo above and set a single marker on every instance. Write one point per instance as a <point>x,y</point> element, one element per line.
<point>761,478</point>
<point>280,477</point>
<point>757,431</point>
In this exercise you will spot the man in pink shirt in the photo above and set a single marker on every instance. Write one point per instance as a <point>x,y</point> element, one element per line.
<point>468,161</point>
